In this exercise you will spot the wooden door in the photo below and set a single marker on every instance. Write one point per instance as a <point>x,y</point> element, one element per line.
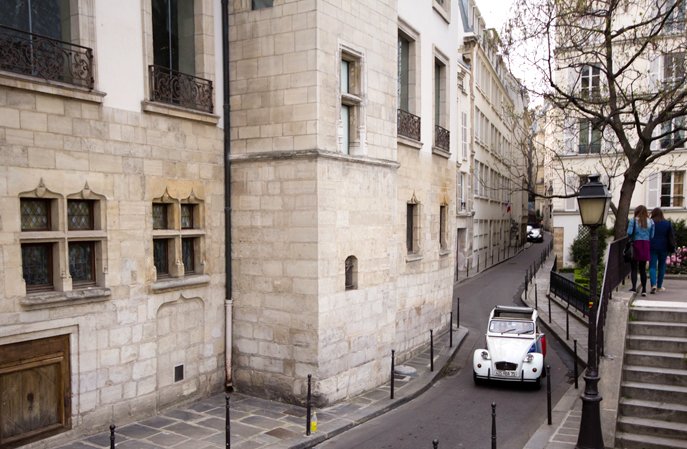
<point>35,394</point>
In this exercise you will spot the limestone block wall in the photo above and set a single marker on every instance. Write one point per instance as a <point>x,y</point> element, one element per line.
<point>126,340</point>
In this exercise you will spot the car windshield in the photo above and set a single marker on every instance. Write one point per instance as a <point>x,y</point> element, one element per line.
<point>511,327</point>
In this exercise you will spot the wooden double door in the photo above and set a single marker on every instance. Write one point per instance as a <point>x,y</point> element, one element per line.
<point>35,393</point>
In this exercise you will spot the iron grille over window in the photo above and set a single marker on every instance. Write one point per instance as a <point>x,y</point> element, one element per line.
<point>35,55</point>
<point>408,124</point>
<point>442,138</point>
<point>180,89</point>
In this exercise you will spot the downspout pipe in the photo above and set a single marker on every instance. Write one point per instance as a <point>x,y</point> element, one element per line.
<point>228,300</point>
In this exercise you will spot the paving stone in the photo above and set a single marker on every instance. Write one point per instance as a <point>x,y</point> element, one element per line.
<point>167,439</point>
<point>77,445</point>
<point>191,431</point>
<point>244,431</point>
<point>282,433</point>
<point>261,421</point>
<point>184,415</point>
<point>103,439</point>
<point>138,444</point>
<point>158,422</point>
<point>213,423</point>
<point>136,431</point>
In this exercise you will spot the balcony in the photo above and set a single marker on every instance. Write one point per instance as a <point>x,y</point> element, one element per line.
<point>408,125</point>
<point>180,89</point>
<point>442,138</point>
<point>39,56</point>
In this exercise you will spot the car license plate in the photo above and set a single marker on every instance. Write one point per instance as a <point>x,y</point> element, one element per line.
<point>504,373</point>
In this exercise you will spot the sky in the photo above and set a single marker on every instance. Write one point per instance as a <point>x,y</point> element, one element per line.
<point>494,12</point>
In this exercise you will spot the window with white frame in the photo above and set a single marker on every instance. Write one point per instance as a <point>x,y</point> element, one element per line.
<point>464,132</point>
<point>672,189</point>
<point>62,235</point>
<point>673,133</point>
<point>350,86</point>
<point>408,123</point>
<point>441,133</point>
<point>590,137</point>
<point>673,69</point>
<point>590,78</point>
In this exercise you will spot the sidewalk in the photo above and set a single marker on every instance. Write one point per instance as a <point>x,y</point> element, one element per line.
<point>261,424</point>
<point>566,414</point>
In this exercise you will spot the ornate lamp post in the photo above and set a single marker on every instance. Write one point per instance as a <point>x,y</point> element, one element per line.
<point>593,201</point>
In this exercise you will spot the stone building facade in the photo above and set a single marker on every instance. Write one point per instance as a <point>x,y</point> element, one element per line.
<point>111,215</point>
<point>342,248</point>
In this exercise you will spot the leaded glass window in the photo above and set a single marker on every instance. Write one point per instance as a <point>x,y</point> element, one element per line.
<point>188,255</point>
<point>37,265</point>
<point>160,216</point>
<point>161,256</point>
<point>80,215</point>
<point>82,262</point>
<point>187,216</point>
<point>35,214</point>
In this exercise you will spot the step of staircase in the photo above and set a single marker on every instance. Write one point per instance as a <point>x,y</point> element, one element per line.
<point>626,440</point>
<point>653,427</point>
<point>658,328</point>
<point>653,392</point>
<point>675,360</point>
<point>669,315</point>
<point>667,411</point>
<point>655,375</point>
<point>651,343</point>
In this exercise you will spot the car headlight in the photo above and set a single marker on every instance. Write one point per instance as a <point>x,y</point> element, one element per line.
<point>485,355</point>
<point>529,358</point>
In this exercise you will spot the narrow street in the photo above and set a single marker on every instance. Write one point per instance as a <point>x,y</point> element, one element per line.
<point>454,410</point>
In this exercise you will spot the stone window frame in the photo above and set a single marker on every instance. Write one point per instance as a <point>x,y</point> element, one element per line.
<point>443,228</point>
<point>443,8</point>
<point>204,47</point>
<point>413,229</point>
<point>63,289</point>
<point>175,234</point>
<point>354,99</point>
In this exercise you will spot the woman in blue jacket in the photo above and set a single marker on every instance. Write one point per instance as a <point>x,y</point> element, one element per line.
<point>659,249</point>
<point>640,229</point>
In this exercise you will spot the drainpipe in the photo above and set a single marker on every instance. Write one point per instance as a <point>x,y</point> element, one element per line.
<point>228,301</point>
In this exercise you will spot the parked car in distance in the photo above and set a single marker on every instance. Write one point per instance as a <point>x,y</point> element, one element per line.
<point>515,349</point>
<point>535,234</point>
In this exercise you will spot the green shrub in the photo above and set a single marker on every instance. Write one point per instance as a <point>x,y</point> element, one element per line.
<point>581,247</point>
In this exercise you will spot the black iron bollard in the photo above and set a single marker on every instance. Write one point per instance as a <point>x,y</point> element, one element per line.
<point>549,309</point>
<point>227,424</point>
<point>536,298</point>
<point>493,425</point>
<point>431,350</point>
<point>112,436</point>
<point>450,331</point>
<point>467,269</point>
<point>435,444</point>
<point>457,312</point>
<point>307,407</point>
<point>548,393</point>
<point>526,281</point>
<point>477,263</point>
<point>567,325</point>
<point>575,366</point>
<point>393,361</point>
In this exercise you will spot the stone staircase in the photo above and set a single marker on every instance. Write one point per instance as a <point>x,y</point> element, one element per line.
<point>652,411</point>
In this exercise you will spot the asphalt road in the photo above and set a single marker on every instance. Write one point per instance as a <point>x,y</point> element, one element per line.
<point>455,411</point>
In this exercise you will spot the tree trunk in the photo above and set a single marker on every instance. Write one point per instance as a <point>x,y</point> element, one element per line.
<point>628,188</point>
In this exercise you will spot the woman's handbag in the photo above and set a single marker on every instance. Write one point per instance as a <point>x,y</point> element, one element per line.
<point>628,252</point>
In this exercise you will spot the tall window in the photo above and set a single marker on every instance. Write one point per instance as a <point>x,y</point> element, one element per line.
<point>351,273</point>
<point>403,72</point>
<point>672,189</point>
<point>590,79</point>
<point>173,35</point>
<point>590,138</point>
<point>464,132</point>
<point>177,234</point>
<point>673,69</point>
<point>50,18</point>
<point>412,230</point>
<point>351,98</point>
<point>81,217</point>
<point>439,92</point>
<point>443,225</point>
<point>673,133</point>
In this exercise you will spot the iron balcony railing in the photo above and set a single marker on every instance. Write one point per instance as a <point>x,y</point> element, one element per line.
<point>180,89</point>
<point>40,56</point>
<point>408,125</point>
<point>442,138</point>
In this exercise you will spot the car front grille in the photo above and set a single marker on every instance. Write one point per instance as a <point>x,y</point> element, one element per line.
<point>506,366</point>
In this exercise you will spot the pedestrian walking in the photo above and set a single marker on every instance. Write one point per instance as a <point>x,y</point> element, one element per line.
<point>661,243</point>
<point>640,229</point>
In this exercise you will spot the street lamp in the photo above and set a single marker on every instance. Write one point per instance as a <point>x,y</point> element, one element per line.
<point>593,200</point>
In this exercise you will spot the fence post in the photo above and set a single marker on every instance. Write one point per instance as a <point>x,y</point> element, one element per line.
<point>435,443</point>
<point>526,281</point>
<point>431,350</point>
<point>536,298</point>
<point>112,436</point>
<point>493,425</point>
<point>307,408</point>
<point>393,361</point>
<point>548,393</point>
<point>567,324</point>
<point>575,367</point>
<point>549,298</point>
<point>457,312</point>
<point>467,269</point>
<point>477,264</point>
<point>227,423</point>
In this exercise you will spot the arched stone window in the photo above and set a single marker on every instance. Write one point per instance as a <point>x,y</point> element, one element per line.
<point>351,273</point>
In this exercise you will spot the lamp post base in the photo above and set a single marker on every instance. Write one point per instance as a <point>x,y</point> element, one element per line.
<point>590,435</point>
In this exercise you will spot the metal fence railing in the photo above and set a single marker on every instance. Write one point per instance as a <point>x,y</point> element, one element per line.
<point>615,273</point>
<point>573,294</point>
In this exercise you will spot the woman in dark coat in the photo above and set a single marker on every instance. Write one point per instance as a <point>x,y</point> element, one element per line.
<point>660,248</point>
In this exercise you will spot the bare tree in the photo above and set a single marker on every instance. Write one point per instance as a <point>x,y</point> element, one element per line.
<point>611,71</point>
